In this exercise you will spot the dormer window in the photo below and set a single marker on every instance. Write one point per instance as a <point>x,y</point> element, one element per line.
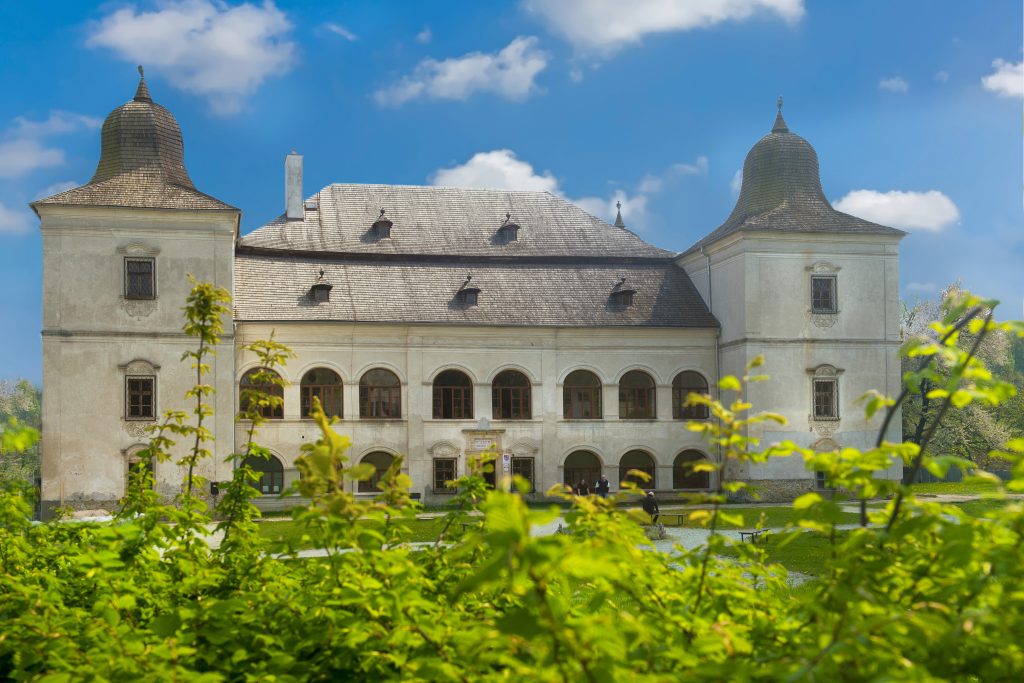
<point>381,227</point>
<point>622,294</point>
<point>468,293</point>
<point>509,230</point>
<point>320,292</point>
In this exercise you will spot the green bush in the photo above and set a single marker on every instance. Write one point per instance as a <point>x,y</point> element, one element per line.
<point>925,593</point>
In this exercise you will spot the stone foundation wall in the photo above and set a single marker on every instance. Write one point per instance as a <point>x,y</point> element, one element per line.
<point>780,490</point>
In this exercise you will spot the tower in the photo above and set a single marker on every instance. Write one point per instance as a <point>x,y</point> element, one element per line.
<point>116,254</point>
<point>812,289</point>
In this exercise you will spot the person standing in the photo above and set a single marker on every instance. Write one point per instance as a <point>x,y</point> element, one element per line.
<point>583,488</point>
<point>603,486</point>
<point>651,507</point>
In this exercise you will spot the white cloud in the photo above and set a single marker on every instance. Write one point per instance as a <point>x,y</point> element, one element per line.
<point>14,222</point>
<point>942,76</point>
<point>425,35</point>
<point>634,209</point>
<point>19,157</point>
<point>931,210</point>
<point>921,287</point>
<point>499,169</point>
<point>894,84</point>
<point>502,169</point>
<point>736,184</point>
<point>605,26</point>
<point>340,30</point>
<point>57,188</point>
<point>653,183</point>
<point>1007,80</point>
<point>22,150</point>
<point>218,51</point>
<point>509,74</point>
<point>56,123</point>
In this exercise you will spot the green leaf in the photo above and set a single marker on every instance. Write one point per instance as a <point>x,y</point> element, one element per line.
<point>806,500</point>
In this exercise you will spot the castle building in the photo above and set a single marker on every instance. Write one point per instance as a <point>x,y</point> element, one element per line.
<point>435,322</point>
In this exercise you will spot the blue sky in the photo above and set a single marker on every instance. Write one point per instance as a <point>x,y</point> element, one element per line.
<point>914,108</point>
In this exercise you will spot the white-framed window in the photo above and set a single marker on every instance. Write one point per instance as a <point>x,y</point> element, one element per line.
<point>139,277</point>
<point>826,398</point>
<point>140,397</point>
<point>445,474</point>
<point>824,294</point>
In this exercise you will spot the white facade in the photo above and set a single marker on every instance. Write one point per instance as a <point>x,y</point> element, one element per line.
<point>815,292</point>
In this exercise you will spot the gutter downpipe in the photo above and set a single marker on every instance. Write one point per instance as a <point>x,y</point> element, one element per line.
<point>718,335</point>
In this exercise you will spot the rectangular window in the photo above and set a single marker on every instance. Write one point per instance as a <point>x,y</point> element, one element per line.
<point>523,467</point>
<point>823,294</point>
<point>826,399</point>
<point>140,398</point>
<point>821,482</point>
<point>139,278</point>
<point>444,475</point>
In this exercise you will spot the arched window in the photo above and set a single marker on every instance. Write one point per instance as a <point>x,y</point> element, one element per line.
<point>381,461</point>
<point>258,381</point>
<point>683,476</point>
<point>581,396</point>
<point>510,396</point>
<point>636,396</point>
<point>683,385</point>
<point>582,466</point>
<point>453,396</point>
<point>271,474</point>
<point>637,460</point>
<point>380,395</point>
<point>325,385</point>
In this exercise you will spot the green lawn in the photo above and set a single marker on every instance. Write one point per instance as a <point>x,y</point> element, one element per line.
<point>761,517</point>
<point>959,487</point>
<point>290,534</point>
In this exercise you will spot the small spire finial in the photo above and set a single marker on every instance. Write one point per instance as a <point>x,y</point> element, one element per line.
<point>142,92</point>
<point>618,205</point>
<point>780,123</point>
<point>321,273</point>
<point>508,216</point>
<point>381,213</point>
<point>619,223</point>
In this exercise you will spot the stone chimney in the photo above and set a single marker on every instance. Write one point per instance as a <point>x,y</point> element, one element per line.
<point>293,187</point>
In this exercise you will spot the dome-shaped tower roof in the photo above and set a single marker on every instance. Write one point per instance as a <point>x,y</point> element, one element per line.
<point>140,135</point>
<point>142,162</point>
<point>781,191</point>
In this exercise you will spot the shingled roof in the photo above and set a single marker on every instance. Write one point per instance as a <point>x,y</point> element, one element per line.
<point>447,220</point>
<point>277,288</point>
<point>142,163</point>
<point>782,192</point>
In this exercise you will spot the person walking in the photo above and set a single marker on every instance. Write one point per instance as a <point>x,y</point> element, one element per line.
<point>603,486</point>
<point>650,505</point>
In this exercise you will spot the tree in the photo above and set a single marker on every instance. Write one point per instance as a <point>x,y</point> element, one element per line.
<point>979,428</point>
<point>20,404</point>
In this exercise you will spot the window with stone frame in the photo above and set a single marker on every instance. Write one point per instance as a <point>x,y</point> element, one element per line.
<point>823,294</point>
<point>453,396</point>
<point>581,396</point>
<point>510,396</point>
<point>140,397</point>
<point>324,385</point>
<point>684,384</point>
<point>826,398</point>
<point>380,395</point>
<point>637,396</point>
<point>255,386</point>
<point>139,277</point>
<point>524,467</point>
<point>821,482</point>
<point>445,474</point>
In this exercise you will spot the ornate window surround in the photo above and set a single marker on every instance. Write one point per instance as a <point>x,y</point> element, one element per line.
<point>818,269</point>
<point>139,367</point>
